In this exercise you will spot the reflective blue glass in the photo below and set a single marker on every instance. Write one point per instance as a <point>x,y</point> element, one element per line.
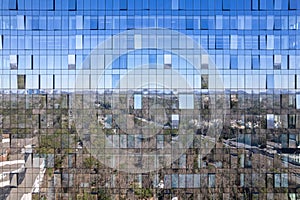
<point>71,4</point>
<point>233,62</point>
<point>255,4</point>
<point>115,80</point>
<point>255,62</point>
<point>270,81</point>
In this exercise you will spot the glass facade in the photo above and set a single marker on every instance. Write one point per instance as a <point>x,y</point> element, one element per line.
<point>141,99</point>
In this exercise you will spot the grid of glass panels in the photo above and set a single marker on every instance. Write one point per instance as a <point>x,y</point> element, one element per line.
<point>254,44</point>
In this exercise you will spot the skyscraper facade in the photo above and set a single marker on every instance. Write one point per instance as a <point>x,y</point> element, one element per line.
<point>150,99</point>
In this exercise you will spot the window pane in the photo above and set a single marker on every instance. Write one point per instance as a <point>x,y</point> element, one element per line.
<point>167,61</point>
<point>219,22</point>
<point>277,61</point>
<point>20,21</point>
<point>21,81</point>
<point>137,101</point>
<point>93,23</point>
<point>72,4</point>
<point>211,180</point>
<point>255,62</point>
<point>12,4</point>
<point>270,41</point>
<point>1,42</point>
<point>115,80</point>
<point>270,81</point>
<point>175,4</point>
<point>35,23</point>
<point>57,22</point>
<point>270,121</point>
<point>277,5</point>
<point>241,22</point>
<point>186,101</point>
<point>42,23</point>
<point>78,41</point>
<point>79,22</point>
<point>233,62</point>
<point>233,42</point>
<point>248,22</point>
<point>298,100</point>
<point>270,22</point>
<point>13,61</point>
<point>71,62</point>
<point>204,61</point>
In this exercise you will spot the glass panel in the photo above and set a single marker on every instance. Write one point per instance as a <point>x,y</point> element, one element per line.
<point>72,4</point>
<point>248,42</point>
<point>137,101</point>
<point>241,22</point>
<point>284,180</point>
<point>46,81</point>
<point>21,81</point>
<point>87,22</point>
<point>211,180</point>
<point>137,41</point>
<point>226,5</point>
<point>284,42</point>
<point>93,23</point>
<point>219,42</point>
<point>175,4</point>
<point>270,22</point>
<point>190,24</point>
<point>255,22</point>
<point>182,180</point>
<point>167,61</point>
<point>270,81</point>
<point>248,22</point>
<point>204,23</point>
<point>298,101</point>
<point>277,61</point>
<point>277,42</point>
<point>293,4</point>
<point>175,121</point>
<point>186,101</point>
<point>233,42</point>
<point>13,61</point>
<point>197,183</point>
<point>262,42</point>
<point>277,180</point>
<point>219,22</point>
<point>35,23</point>
<point>233,62</point>
<point>71,62</point>
<point>72,22</point>
<point>277,5</point>
<point>211,22</point>
<point>284,22</point>
<point>240,42</point>
<point>57,22</point>
<point>79,21</point>
<point>78,41</point>
<point>292,62</point>
<point>233,22</point>
<point>174,183</point>
<point>42,23</point>
<point>25,62</point>
<point>1,42</point>
<point>20,22</point>
<point>12,4</point>
<point>270,121</point>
